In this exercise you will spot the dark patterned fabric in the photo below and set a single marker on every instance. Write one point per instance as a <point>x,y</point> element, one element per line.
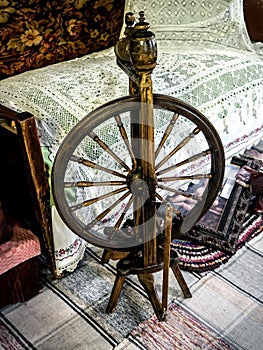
<point>36,33</point>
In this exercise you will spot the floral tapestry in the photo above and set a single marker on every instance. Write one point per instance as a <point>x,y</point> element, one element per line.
<point>36,33</point>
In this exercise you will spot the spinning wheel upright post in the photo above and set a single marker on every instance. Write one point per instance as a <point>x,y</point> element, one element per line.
<point>138,62</point>
<point>138,171</point>
<point>143,55</point>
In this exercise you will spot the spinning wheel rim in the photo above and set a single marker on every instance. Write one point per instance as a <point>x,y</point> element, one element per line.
<point>110,110</point>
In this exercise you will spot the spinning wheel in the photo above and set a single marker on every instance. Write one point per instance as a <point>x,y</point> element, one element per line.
<point>99,179</point>
<point>137,171</point>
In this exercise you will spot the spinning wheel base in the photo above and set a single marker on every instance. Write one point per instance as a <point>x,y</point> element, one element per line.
<point>133,265</point>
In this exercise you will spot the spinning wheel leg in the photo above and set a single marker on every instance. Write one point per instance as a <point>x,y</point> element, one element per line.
<point>134,265</point>
<point>181,281</point>
<point>115,293</point>
<point>106,256</point>
<point>147,281</point>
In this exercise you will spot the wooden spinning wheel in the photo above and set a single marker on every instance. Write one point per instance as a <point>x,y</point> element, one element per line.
<point>138,171</point>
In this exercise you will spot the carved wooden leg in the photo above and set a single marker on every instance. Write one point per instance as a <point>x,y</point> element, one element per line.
<point>115,293</point>
<point>180,279</point>
<point>147,281</point>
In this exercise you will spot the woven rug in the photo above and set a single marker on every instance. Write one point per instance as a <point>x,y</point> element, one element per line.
<point>8,340</point>
<point>200,258</point>
<point>180,331</point>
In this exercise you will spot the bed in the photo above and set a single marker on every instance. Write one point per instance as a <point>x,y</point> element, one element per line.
<point>205,58</point>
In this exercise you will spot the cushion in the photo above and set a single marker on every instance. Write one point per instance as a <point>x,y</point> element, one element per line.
<point>22,246</point>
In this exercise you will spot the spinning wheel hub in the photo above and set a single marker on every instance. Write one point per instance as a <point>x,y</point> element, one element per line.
<point>136,184</point>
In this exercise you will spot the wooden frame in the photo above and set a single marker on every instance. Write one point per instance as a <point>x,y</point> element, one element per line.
<point>24,182</point>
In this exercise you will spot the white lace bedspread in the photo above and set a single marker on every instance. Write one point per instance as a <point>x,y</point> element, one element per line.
<point>223,82</point>
<point>224,85</point>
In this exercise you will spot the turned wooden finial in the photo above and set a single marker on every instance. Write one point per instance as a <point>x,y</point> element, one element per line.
<point>141,24</point>
<point>143,48</point>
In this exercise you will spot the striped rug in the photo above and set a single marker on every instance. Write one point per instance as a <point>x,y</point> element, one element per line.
<point>180,331</point>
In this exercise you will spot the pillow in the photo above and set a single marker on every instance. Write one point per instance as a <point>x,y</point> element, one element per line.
<point>193,22</point>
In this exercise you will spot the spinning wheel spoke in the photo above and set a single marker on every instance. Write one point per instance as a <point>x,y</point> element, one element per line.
<point>180,193</point>
<point>175,211</point>
<point>93,165</point>
<point>189,177</point>
<point>181,145</point>
<point>121,218</point>
<point>166,133</point>
<point>93,183</point>
<point>108,150</point>
<point>108,210</point>
<point>125,139</point>
<point>94,200</point>
<point>186,161</point>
